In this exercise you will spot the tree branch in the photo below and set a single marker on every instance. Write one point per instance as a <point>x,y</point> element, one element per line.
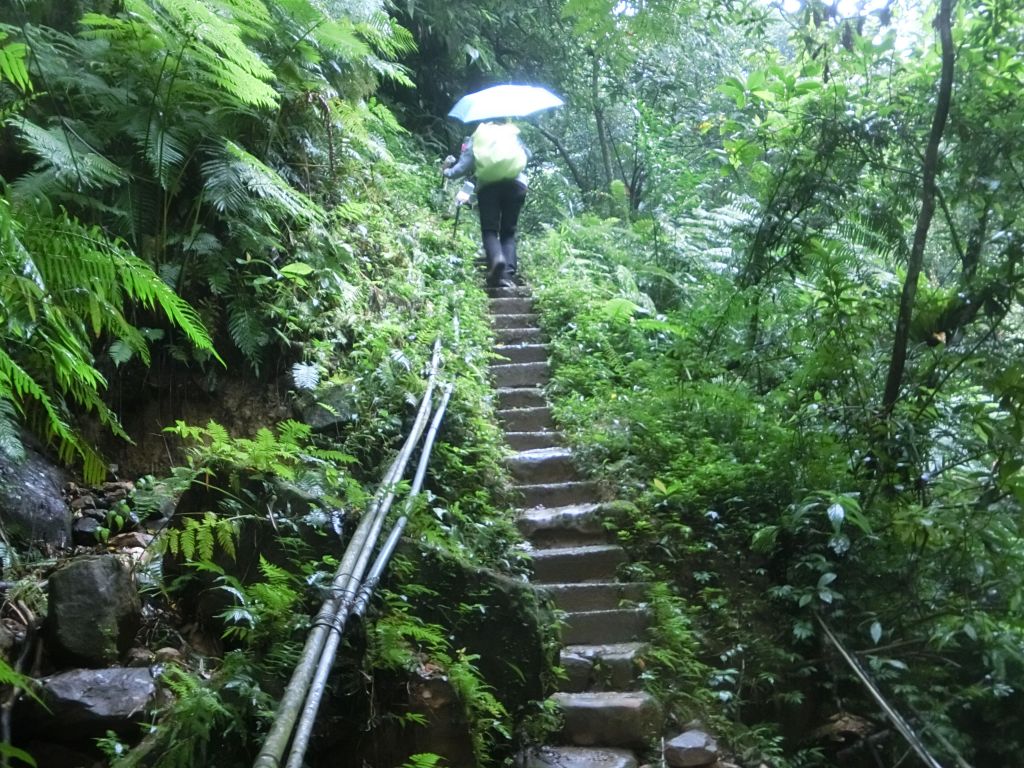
<point>924,219</point>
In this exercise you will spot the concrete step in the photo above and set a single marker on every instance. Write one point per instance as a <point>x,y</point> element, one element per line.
<point>597,562</point>
<point>601,596</point>
<point>608,667</point>
<point>611,719</point>
<point>518,335</point>
<point>522,353</point>
<point>519,320</point>
<point>527,419</point>
<point>618,625</point>
<point>511,305</point>
<point>528,441</point>
<point>521,397</point>
<point>558,494</point>
<point>513,292</point>
<point>577,757</point>
<point>542,465</point>
<point>551,524</point>
<point>521,374</point>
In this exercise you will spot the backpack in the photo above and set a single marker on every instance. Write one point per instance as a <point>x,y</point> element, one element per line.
<point>497,153</point>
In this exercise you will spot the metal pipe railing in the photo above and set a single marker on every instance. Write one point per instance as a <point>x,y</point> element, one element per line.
<point>388,548</point>
<point>342,591</point>
<point>316,690</point>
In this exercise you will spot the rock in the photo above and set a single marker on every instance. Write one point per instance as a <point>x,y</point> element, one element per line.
<point>93,701</point>
<point>140,657</point>
<point>32,507</point>
<point>169,655</point>
<point>133,540</point>
<point>94,611</point>
<point>333,408</point>
<point>85,531</point>
<point>691,748</point>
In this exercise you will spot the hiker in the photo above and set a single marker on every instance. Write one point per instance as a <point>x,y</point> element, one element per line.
<point>497,156</point>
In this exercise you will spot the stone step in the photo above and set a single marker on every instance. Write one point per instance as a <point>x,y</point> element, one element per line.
<point>608,667</point>
<point>528,441</point>
<point>563,526</point>
<point>512,292</point>
<point>519,335</point>
<point>521,374</point>
<point>518,320</point>
<point>522,353</point>
<point>511,305</point>
<point>601,596</point>
<point>612,719</point>
<point>521,397</point>
<point>542,465</point>
<point>527,419</point>
<point>558,494</point>
<point>597,562</point>
<point>577,757</point>
<point>618,625</point>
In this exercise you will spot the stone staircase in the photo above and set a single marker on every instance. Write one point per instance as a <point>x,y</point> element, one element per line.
<point>606,717</point>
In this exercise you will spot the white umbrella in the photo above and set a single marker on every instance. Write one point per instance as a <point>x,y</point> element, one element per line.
<point>504,101</point>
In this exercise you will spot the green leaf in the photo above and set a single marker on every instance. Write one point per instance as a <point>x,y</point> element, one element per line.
<point>296,269</point>
<point>875,632</point>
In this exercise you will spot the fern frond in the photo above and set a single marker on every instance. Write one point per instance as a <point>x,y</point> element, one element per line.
<point>235,177</point>
<point>12,64</point>
<point>10,439</point>
<point>247,330</point>
<point>72,162</point>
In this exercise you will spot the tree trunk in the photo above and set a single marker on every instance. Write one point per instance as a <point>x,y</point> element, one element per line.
<point>602,136</point>
<point>924,218</point>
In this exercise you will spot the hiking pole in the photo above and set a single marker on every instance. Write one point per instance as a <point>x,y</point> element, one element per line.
<point>455,228</point>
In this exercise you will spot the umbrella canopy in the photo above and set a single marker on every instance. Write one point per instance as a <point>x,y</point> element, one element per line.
<point>504,101</point>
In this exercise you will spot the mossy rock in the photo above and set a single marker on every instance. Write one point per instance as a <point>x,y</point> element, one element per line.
<point>500,619</point>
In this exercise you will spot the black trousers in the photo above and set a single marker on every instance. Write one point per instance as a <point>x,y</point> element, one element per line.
<point>500,203</point>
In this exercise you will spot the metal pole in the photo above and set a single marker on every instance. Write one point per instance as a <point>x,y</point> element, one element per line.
<point>316,690</point>
<point>388,548</point>
<point>288,709</point>
<point>897,719</point>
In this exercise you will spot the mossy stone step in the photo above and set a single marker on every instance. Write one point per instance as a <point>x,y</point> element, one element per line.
<point>542,465</point>
<point>606,667</point>
<point>518,320</point>
<point>598,596</point>
<point>558,494</point>
<point>522,353</point>
<point>609,718</point>
<point>521,374</point>
<point>617,625</point>
<point>577,757</point>
<point>511,305</point>
<point>527,419</point>
<point>518,335</point>
<point>563,526</point>
<point>521,397</point>
<point>511,292</point>
<point>597,562</point>
<point>527,441</point>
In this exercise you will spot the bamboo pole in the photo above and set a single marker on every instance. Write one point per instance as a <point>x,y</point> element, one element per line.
<point>304,728</point>
<point>288,709</point>
<point>902,725</point>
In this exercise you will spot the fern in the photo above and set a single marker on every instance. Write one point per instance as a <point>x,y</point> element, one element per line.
<point>10,440</point>
<point>65,158</point>
<point>235,177</point>
<point>247,330</point>
<point>210,36</point>
<point>12,64</point>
